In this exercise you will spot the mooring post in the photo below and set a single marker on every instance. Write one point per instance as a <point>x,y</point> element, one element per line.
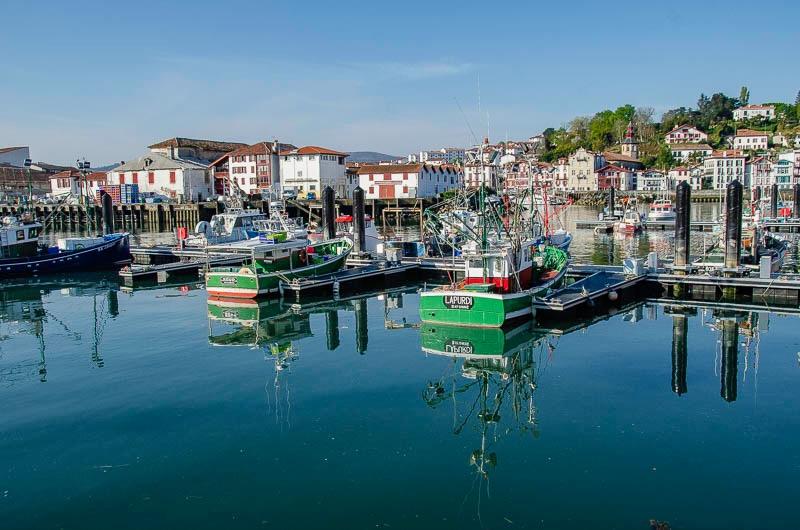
<point>679,354</point>
<point>796,201</point>
<point>328,219</point>
<point>773,202</point>
<point>362,337</point>
<point>332,329</point>
<point>611,201</point>
<point>359,228</point>
<point>733,227</point>
<point>683,211</point>
<point>108,213</point>
<point>730,359</point>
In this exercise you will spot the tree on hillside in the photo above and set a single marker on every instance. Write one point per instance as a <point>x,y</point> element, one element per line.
<point>718,107</point>
<point>797,105</point>
<point>744,96</point>
<point>643,123</point>
<point>579,129</point>
<point>665,160</point>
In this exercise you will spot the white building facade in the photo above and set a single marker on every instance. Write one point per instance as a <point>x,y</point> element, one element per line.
<point>408,181</point>
<point>748,112</point>
<point>311,169</point>
<point>177,179</point>
<point>723,167</point>
<point>749,140</point>
<point>688,151</point>
<point>685,134</point>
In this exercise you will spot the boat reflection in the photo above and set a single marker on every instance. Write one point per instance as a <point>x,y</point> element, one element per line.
<point>495,372</point>
<point>23,310</point>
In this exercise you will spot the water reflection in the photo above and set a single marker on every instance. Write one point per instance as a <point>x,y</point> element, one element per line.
<point>494,373</point>
<point>23,311</point>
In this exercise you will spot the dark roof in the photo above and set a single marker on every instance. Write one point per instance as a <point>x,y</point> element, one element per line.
<point>9,149</point>
<point>209,145</point>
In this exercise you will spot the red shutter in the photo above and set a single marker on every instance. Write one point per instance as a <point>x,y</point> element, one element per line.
<point>122,178</point>
<point>172,177</point>
<point>135,177</point>
<point>371,189</point>
<point>151,178</point>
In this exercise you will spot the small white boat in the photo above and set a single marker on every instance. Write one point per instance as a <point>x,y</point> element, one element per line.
<point>661,210</point>
<point>235,224</point>
<point>630,223</point>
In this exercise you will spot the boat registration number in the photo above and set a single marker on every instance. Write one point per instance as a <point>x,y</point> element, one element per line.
<point>458,302</point>
<point>459,347</point>
<point>228,280</point>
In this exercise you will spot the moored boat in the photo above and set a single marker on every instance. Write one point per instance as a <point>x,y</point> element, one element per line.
<point>661,210</point>
<point>21,253</point>
<point>270,263</point>
<point>498,287</point>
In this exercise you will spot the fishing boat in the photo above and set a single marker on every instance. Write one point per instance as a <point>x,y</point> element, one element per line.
<point>230,226</point>
<point>630,223</point>
<point>272,260</point>
<point>498,286</point>
<point>22,253</point>
<point>661,210</point>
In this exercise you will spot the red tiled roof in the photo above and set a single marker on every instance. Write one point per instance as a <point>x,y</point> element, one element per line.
<point>313,150</point>
<point>67,173</point>
<point>750,132</point>
<point>619,157</point>
<point>727,153</point>
<point>690,147</point>
<point>757,107</point>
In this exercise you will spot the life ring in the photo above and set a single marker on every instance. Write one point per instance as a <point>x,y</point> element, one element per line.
<point>302,256</point>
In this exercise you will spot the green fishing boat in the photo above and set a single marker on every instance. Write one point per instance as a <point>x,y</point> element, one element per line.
<point>457,341</point>
<point>269,263</point>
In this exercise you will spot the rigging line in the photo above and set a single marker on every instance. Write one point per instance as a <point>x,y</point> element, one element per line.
<point>466,121</point>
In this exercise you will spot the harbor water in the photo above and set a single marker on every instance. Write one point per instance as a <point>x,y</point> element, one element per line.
<point>159,408</point>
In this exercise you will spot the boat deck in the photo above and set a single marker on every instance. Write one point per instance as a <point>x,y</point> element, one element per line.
<point>586,290</point>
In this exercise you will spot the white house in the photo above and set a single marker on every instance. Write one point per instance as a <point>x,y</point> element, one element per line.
<point>182,180</point>
<point>408,181</point>
<point>312,168</point>
<point>691,174</point>
<point>760,172</point>
<point>781,174</point>
<point>686,151</point>
<point>14,156</point>
<point>723,167</point>
<point>445,155</point>
<point>250,169</point>
<point>582,166</point>
<point>653,180</point>
<point>749,140</point>
<point>685,134</point>
<point>617,177</point>
<point>71,181</point>
<point>754,111</point>
<point>477,174</point>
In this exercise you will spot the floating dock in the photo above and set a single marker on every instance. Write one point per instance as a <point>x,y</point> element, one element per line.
<point>381,273</point>
<point>162,272</point>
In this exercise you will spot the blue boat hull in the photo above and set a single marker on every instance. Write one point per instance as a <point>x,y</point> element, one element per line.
<point>112,253</point>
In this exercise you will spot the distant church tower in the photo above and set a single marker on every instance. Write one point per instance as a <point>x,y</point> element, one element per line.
<point>630,146</point>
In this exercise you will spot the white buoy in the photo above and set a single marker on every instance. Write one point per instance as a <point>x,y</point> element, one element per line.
<point>613,296</point>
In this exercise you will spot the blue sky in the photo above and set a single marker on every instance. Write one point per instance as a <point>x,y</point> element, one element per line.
<point>100,80</point>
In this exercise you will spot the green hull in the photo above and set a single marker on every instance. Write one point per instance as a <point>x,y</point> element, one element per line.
<point>458,341</point>
<point>264,278</point>
<point>474,309</point>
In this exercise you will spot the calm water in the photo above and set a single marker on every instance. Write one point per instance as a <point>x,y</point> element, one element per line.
<point>156,409</point>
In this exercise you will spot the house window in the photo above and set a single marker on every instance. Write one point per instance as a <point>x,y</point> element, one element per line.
<point>122,178</point>
<point>405,189</point>
<point>405,176</point>
<point>371,178</point>
<point>151,178</point>
<point>172,177</point>
<point>371,190</point>
<point>135,177</point>
<point>252,181</point>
